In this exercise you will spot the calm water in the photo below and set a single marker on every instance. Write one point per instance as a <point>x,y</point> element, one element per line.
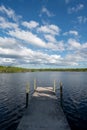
<point>12,96</point>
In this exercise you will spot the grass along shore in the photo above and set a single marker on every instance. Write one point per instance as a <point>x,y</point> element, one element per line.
<point>9,69</point>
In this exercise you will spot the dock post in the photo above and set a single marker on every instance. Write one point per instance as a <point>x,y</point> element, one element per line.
<point>27,94</point>
<point>61,94</point>
<point>34,84</point>
<point>54,88</point>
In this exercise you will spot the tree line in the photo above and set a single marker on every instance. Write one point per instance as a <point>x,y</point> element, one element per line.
<point>10,69</point>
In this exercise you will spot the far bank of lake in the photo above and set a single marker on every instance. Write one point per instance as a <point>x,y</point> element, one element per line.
<point>9,69</point>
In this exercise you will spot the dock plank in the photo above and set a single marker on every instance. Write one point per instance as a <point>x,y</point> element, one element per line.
<point>44,112</point>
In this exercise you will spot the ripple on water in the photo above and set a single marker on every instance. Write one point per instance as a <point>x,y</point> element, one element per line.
<point>12,96</point>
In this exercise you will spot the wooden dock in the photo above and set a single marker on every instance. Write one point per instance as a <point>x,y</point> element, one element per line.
<point>44,112</point>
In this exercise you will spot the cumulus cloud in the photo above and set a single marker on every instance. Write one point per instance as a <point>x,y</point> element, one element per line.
<point>27,56</point>
<point>79,55</point>
<point>76,8</point>
<point>31,24</point>
<point>50,38</point>
<point>50,29</point>
<point>7,61</point>
<point>73,44</point>
<point>33,39</point>
<point>16,46</point>
<point>72,60</point>
<point>28,37</point>
<point>15,53</point>
<point>6,42</point>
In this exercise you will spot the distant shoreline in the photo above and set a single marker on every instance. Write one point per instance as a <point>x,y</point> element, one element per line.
<point>9,69</point>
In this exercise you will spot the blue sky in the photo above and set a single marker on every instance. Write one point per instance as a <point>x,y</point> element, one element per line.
<point>43,33</point>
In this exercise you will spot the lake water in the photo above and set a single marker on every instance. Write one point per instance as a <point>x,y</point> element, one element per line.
<point>12,96</point>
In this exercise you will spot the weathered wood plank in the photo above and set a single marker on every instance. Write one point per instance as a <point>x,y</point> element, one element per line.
<point>44,112</point>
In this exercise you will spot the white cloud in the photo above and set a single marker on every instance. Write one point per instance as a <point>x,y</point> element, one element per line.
<point>72,57</point>
<point>9,12</point>
<point>85,45</point>
<point>46,59</point>
<point>79,56</point>
<point>6,42</point>
<point>52,46</point>
<point>61,45</point>
<point>4,24</point>
<point>71,32</point>
<point>82,19</point>
<point>31,24</point>
<point>33,39</point>
<point>50,38</point>
<point>7,51</point>
<point>15,49</point>
<point>46,11</point>
<point>57,45</point>
<point>73,44</point>
<point>27,56</point>
<point>75,9</point>
<point>50,29</point>
<point>28,37</point>
<point>79,50</point>
<point>14,53</point>
<point>7,61</point>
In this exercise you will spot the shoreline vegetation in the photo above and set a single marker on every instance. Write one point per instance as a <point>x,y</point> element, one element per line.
<point>9,69</point>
